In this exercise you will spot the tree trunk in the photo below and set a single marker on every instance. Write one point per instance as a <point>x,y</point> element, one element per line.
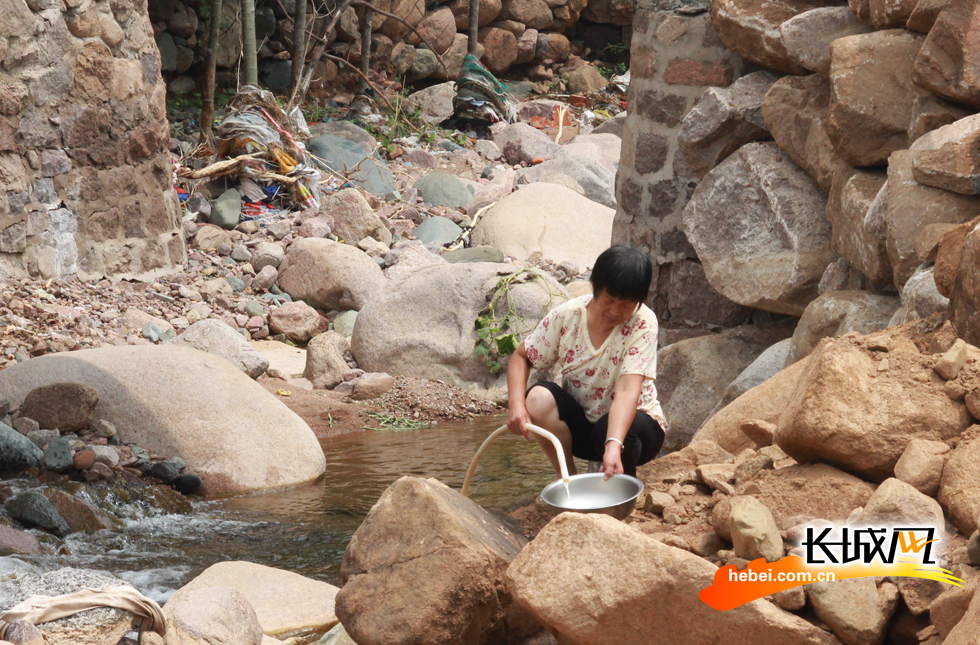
<point>210,62</point>
<point>249,62</point>
<point>366,44</point>
<point>299,45</point>
<point>474,27</point>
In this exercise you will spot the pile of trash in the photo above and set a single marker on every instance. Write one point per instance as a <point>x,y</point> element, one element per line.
<point>263,148</point>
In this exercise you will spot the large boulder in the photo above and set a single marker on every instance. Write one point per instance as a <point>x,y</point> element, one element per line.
<point>500,49</point>
<point>435,102</point>
<point>559,580</point>
<point>818,491</point>
<point>855,609</point>
<point>910,207</point>
<point>692,375</point>
<point>212,616</point>
<point>751,29</point>
<point>859,229</point>
<point>764,367</point>
<point>948,254</point>
<point>872,95</point>
<point>536,14</point>
<point>284,602</point>
<point>858,407</point>
<point>17,452</point>
<point>179,401</point>
<point>757,223</point>
<point>365,169</point>
<point>795,110</point>
<point>837,313</point>
<point>920,297</point>
<point>948,63</point>
<point>725,119</point>
<point>215,337</point>
<point>921,465</point>
<point>99,626</point>
<point>423,540</point>
<point>604,148</point>
<point>966,630</point>
<point>807,36</point>
<point>964,294</point>
<point>438,29</point>
<point>958,491</point>
<point>765,402</point>
<point>547,222</point>
<point>598,182</point>
<point>488,12</point>
<point>692,300</point>
<point>423,324</point>
<point>328,275</point>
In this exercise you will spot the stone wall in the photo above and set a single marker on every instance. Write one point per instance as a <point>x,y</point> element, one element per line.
<point>86,176</point>
<point>675,55</point>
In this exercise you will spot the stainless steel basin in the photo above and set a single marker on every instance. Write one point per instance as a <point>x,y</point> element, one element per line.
<point>587,493</point>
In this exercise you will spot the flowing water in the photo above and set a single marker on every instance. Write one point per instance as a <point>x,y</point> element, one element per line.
<point>306,529</point>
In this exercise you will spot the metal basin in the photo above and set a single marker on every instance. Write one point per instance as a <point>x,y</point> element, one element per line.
<point>587,493</point>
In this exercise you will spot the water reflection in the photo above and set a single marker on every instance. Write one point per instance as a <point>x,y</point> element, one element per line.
<point>306,529</point>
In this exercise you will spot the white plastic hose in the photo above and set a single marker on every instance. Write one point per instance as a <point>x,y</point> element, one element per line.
<point>501,430</point>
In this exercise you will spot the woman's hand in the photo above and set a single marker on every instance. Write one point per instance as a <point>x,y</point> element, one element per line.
<point>517,421</point>
<point>612,460</point>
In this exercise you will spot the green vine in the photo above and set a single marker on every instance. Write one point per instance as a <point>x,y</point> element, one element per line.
<point>391,423</point>
<point>500,335</point>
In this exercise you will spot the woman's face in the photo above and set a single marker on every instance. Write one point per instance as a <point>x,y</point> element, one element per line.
<point>614,311</point>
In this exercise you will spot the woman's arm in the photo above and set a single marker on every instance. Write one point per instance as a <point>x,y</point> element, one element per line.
<point>518,371</point>
<point>621,415</point>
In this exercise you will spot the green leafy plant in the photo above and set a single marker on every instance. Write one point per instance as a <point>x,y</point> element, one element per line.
<point>391,423</point>
<point>499,327</point>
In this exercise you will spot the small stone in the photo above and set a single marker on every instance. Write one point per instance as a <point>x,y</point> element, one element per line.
<point>955,390</point>
<point>237,285</point>
<point>23,632</point>
<point>792,599</point>
<point>241,253</point>
<point>254,308</point>
<point>165,471</point>
<point>33,509</point>
<point>42,438</point>
<point>103,428</point>
<point>25,425</point>
<point>949,364</point>
<point>57,456</point>
<point>83,459</point>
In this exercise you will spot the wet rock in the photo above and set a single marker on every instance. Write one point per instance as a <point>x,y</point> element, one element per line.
<point>14,542</point>
<point>165,471</point>
<point>371,386</point>
<point>520,142</point>
<point>212,615</point>
<point>547,221</point>
<point>284,602</point>
<point>751,29</point>
<point>754,531</point>
<point>435,102</point>
<point>437,230</point>
<point>691,376</point>
<point>33,509</point>
<point>958,492</point>
<point>795,111</point>
<point>856,209</point>
<point>947,64</point>
<point>854,608</point>
<point>597,181</point>
<point>555,576</point>
<point>921,465</point>
<point>101,626</point>
<point>215,337</point>
<point>448,550</point>
<point>872,69</point>
<point>17,452</point>
<point>838,313</point>
<point>329,275</point>
<point>423,324</point>
<point>189,484</point>
<point>220,406</point>
<point>80,515</point>
<point>297,320</point>
<point>325,364</point>
<point>723,208</point>
<point>444,189</point>
<point>807,36</point>
<point>66,406</point>
<point>347,157</point>
<point>863,423</point>
<point>724,120</point>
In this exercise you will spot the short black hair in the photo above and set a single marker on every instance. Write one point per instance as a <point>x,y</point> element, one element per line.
<point>622,271</point>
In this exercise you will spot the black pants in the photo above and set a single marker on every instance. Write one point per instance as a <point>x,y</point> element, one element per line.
<point>642,442</point>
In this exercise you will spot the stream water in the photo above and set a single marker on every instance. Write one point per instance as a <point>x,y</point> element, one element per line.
<point>305,529</point>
